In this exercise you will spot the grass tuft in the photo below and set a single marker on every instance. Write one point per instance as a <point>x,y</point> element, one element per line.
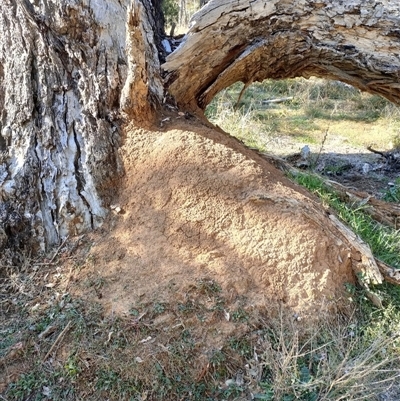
<point>393,193</point>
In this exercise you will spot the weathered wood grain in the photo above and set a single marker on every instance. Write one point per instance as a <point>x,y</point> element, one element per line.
<point>357,42</point>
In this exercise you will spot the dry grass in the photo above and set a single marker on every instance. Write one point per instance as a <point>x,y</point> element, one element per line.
<point>334,363</point>
<point>60,347</point>
<point>54,345</point>
<point>317,106</point>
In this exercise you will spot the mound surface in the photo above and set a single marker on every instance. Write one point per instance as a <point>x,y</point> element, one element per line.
<point>196,204</point>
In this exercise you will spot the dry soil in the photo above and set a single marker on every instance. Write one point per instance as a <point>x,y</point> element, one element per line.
<point>197,205</point>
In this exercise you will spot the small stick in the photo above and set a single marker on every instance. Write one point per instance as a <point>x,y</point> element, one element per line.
<point>203,372</point>
<point>322,146</point>
<point>58,340</point>
<point>246,85</point>
<point>59,249</point>
<point>377,152</point>
<point>55,254</point>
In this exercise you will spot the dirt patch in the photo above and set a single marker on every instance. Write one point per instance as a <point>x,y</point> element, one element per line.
<point>208,249</point>
<point>196,204</point>
<point>355,167</point>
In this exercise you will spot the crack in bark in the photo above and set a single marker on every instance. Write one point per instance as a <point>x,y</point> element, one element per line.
<point>80,179</point>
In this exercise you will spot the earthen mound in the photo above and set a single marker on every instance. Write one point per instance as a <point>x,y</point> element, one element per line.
<point>197,204</point>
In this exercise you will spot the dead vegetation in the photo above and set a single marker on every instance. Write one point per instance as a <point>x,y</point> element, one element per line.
<point>60,347</point>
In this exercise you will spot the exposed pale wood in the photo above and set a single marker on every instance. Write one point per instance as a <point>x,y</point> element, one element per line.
<point>279,100</point>
<point>390,274</point>
<point>355,41</point>
<point>366,268</point>
<point>381,211</point>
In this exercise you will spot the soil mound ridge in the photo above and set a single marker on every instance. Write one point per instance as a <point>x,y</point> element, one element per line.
<point>197,204</point>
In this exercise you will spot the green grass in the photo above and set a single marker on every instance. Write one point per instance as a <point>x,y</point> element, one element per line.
<point>132,358</point>
<point>331,365</point>
<point>293,366</point>
<point>384,241</point>
<point>393,193</point>
<point>104,356</point>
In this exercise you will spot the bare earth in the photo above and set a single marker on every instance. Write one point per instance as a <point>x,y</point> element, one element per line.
<point>337,159</point>
<point>204,235</point>
<point>197,205</point>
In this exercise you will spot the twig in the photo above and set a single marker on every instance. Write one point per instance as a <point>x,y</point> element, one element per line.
<point>203,372</point>
<point>59,249</point>
<point>76,244</point>
<point>246,85</point>
<point>55,254</point>
<point>58,340</point>
<point>377,152</point>
<point>322,147</point>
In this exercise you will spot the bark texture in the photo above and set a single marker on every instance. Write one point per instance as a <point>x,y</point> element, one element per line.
<point>69,69</point>
<point>355,41</point>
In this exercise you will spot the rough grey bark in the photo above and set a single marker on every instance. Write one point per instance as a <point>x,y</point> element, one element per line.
<point>355,41</point>
<point>69,71</point>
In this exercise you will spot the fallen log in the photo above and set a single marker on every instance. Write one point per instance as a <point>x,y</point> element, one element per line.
<point>366,270</point>
<point>389,273</point>
<point>279,100</point>
<point>384,212</point>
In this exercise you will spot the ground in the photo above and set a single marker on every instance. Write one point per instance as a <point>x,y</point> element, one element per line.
<point>353,166</point>
<point>196,205</point>
<point>204,237</point>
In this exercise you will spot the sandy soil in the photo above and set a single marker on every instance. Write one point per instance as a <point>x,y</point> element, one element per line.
<point>195,204</point>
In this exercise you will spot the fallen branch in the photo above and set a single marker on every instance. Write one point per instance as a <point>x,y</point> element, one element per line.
<point>390,274</point>
<point>367,266</point>
<point>58,340</point>
<point>384,212</point>
<point>278,162</point>
<point>381,211</point>
<point>392,156</point>
<point>279,100</point>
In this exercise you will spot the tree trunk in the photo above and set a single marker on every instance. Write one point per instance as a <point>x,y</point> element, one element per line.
<point>355,41</point>
<point>69,72</point>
